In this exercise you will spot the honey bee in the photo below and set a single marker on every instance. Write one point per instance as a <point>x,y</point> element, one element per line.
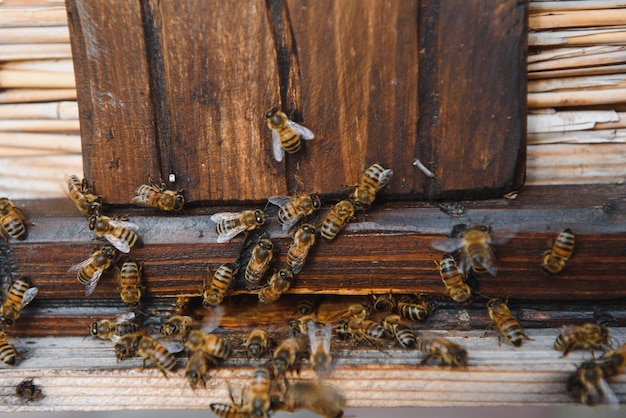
<point>303,240</point>
<point>198,365</point>
<point>146,347</point>
<point>288,353</point>
<point>216,288</point>
<point>319,342</point>
<point>18,295</point>
<point>112,330</point>
<point>587,336</point>
<point>257,344</point>
<point>80,193</point>
<point>588,384</point>
<point>231,224</point>
<point>613,362</point>
<point>157,196</point>
<point>383,303</point>
<point>278,284</point>
<point>475,245</point>
<point>504,322</point>
<point>372,180</point>
<point>554,259</point>
<point>260,402</point>
<point>324,401</point>
<point>356,310</point>
<point>12,220</point>
<point>91,269</point>
<point>402,333</point>
<point>224,410</point>
<point>336,219</point>
<point>453,279</point>
<point>306,305</point>
<point>415,310</point>
<point>121,234</point>
<point>442,349</point>
<point>260,259</point>
<point>362,330</point>
<point>8,353</point>
<point>29,391</point>
<point>130,284</point>
<point>286,134</point>
<point>292,209</point>
<point>177,326</point>
<point>212,344</point>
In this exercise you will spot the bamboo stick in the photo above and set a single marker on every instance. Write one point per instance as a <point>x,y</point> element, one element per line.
<point>12,17</point>
<point>50,34</point>
<point>609,37</point>
<point>577,18</point>
<point>34,95</point>
<point>553,53</point>
<point>36,79</point>
<point>28,152</point>
<point>552,6</point>
<point>39,125</point>
<point>621,123</point>
<point>577,98</point>
<point>53,65</point>
<point>582,61</point>
<point>35,51</point>
<point>554,84</point>
<point>578,137</point>
<point>43,141</point>
<point>48,110</point>
<point>577,72</point>
<point>569,120</point>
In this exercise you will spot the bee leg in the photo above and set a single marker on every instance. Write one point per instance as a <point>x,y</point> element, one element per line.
<point>569,348</point>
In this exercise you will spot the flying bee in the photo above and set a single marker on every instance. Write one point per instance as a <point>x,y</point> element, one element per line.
<point>112,330</point>
<point>80,193</point>
<point>336,219</point>
<point>554,259</point>
<point>402,333</point>
<point>18,295</point>
<point>588,384</point>
<point>504,322</point>
<point>319,342</point>
<point>411,309</point>
<point>372,180</point>
<point>362,330</point>
<point>456,287</point>
<point>29,391</point>
<point>383,303</point>
<point>8,353</point>
<point>278,284</point>
<point>218,287</point>
<point>121,234</point>
<point>288,352</point>
<point>157,196</point>
<point>12,220</point>
<point>257,344</point>
<point>260,259</point>
<point>587,336</point>
<point>286,134</point>
<point>130,284</point>
<point>303,240</point>
<point>292,209</point>
<point>442,349</point>
<point>177,326</point>
<point>231,224</point>
<point>475,245</point>
<point>91,269</point>
<point>198,365</point>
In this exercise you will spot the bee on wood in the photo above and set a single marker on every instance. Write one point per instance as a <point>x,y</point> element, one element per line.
<point>17,295</point>
<point>121,234</point>
<point>589,386</point>
<point>441,349</point>
<point>292,209</point>
<point>91,269</point>
<point>303,240</point>
<point>355,310</point>
<point>212,344</point>
<point>218,287</point>
<point>319,342</point>
<point>321,400</point>
<point>278,284</point>
<point>288,352</point>
<point>362,330</point>
<point>231,224</point>
<point>475,245</point>
<point>157,196</point>
<point>138,343</point>
<point>372,180</point>
<point>259,401</point>
<point>613,362</point>
<point>130,284</point>
<point>12,220</point>
<point>453,279</point>
<point>336,219</point>
<point>506,325</point>
<point>383,303</point>
<point>112,330</point>
<point>286,134</point>
<point>257,344</point>
<point>402,333</point>
<point>587,336</point>
<point>555,258</point>
<point>411,309</point>
<point>224,410</point>
<point>28,391</point>
<point>260,259</point>
<point>8,353</point>
<point>177,326</point>
<point>80,193</point>
<point>306,305</point>
<point>199,363</point>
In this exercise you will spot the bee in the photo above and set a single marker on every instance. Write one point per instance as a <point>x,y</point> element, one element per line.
<point>588,384</point>
<point>288,353</point>
<point>415,310</point>
<point>362,330</point>
<point>505,323</point>
<point>383,303</point>
<point>278,284</point>
<point>216,288</point>
<point>402,333</point>
<point>8,353</point>
<point>453,279</point>
<point>292,209</point>
<point>80,193</point>
<point>260,259</point>
<point>212,344</point>
<point>356,310</point>
<point>587,336</point>
<point>286,134</point>
<point>475,245</point>
<point>91,269</point>
<point>306,305</point>
<point>146,347</point>
<point>18,295</point>
<point>324,401</point>
<point>231,224</point>
<point>613,362</point>
<point>130,284</point>
<point>554,259</point>
<point>336,219</point>
<point>121,234</point>
<point>372,180</point>
<point>319,342</point>
<point>303,240</point>
<point>112,330</point>
<point>224,410</point>
<point>12,220</point>
<point>442,349</point>
<point>260,401</point>
<point>29,391</point>
<point>198,365</point>
<point>157,196</point>
<point>257,344</point>
<point>177,326</point>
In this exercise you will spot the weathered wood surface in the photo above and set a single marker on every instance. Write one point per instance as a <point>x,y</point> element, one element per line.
<point>376,82</point>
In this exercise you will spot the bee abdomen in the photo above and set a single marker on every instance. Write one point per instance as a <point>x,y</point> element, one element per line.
<point>290,140</point>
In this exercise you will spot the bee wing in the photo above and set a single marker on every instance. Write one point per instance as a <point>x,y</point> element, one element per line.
<point>609,397</point>
<point>214,319</point>
<point>172,346</point>
<point>140,200</point>
<point>230,234</point>
<point>125,317</point>
<point>448,245</point>
<point>328,333</point>
<point>277,147</point>
<point>500,236</point>
<point>80,265</point>
<point>489,264</point>
<point>29,295</point>
<point>280,201</point>
<point>118,243</point>
<point>384,177</point>
<point>296,266</point>
<point>291,222</point>
<point>124,224</point>
<point>302,131</point>
<point>225,216</point>
<point>91,286</point>
<point>312,330</point>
